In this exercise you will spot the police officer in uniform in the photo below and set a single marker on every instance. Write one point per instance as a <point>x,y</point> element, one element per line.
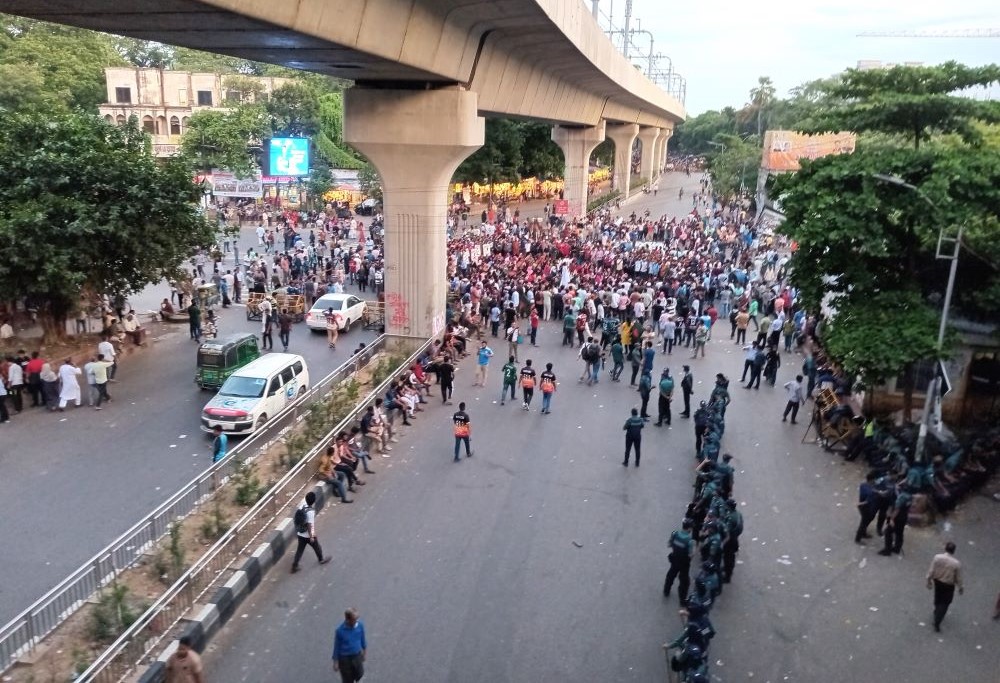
<point>681,550</point>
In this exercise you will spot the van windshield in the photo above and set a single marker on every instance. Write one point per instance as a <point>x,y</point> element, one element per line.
<point>243,387</point>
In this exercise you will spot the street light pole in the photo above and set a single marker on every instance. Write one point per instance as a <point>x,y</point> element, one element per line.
<point>934,387</point>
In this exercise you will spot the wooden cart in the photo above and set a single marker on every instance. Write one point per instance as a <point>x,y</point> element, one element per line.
<point>834,427</point>
<point>295,304</point>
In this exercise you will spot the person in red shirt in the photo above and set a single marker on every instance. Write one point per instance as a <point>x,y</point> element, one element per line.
<point>33,369</point>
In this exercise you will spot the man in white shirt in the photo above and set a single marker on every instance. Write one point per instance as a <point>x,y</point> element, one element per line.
<point>132,328</point>
<point>106,349</point>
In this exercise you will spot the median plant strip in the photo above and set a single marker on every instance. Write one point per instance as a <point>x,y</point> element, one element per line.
<point>74,645</point>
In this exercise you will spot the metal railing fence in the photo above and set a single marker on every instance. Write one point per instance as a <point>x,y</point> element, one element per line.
<point>23,633</point>
<point>136,646</point>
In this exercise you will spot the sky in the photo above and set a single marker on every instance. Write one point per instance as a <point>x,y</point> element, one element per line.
<point>721,47</point>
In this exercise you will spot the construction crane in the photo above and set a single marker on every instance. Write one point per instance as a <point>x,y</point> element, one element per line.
<point>955,33</point>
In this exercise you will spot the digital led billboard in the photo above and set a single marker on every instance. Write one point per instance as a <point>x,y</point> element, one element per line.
<point>288,156</point>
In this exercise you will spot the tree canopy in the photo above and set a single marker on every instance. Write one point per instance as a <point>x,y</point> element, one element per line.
<point>99,212</point>
<point>866,245</point>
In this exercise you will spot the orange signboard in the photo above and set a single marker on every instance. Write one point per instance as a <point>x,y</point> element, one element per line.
<point>784,148</point>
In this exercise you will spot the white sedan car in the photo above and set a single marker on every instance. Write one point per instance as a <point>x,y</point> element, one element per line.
<point>348,307</point>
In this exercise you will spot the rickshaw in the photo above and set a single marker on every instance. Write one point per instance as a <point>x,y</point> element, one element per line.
<point>219,358</point>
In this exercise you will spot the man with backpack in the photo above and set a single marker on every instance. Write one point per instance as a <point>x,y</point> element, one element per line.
<point>681,550</point>
<point>305,531</point>
<point>590,352</point>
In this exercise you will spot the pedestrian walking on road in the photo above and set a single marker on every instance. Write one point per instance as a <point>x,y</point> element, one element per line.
<point>463,429</point>
<point>220,444</point>
<point>446,375</point>
<point>482,364</point>
<point>527,384</point>
<point>795,393</point>
<point>284,328</point>
<point>349,648</point>
<point>633,436</point>
<point>194,319</point>
<point>548,387</point>
<point>944,576</point>
<point>184,665</point>
<point>69,385</point>
<point>687,388</point>
<point>305,531</point>
<point>509,380</point>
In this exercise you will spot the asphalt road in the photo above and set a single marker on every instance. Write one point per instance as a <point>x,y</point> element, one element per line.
<point>542,558</point>
<point>73,481</point>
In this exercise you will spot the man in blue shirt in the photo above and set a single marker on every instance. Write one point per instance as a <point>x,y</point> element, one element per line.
<point>482,364</point>
<point>220,444</point>
<point>349,647</point>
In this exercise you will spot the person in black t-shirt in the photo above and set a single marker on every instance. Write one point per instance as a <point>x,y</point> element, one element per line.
<point>548,387</point>
<point>446,373</point>
<point>527,383</point>
<point>462,426</point>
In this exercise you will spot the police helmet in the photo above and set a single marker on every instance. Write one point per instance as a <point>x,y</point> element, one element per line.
<point>699,678</point>
<point>702,404</point>
<point>692,651</point>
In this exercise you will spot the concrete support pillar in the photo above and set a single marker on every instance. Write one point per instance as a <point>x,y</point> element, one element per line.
<point>577,145</point>
<point>416,139</point>
<point>648,136</point>
<point>623,135</point>
<point>661,156</point>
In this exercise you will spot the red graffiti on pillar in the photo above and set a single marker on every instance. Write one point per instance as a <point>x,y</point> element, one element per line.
<point>399,310</point>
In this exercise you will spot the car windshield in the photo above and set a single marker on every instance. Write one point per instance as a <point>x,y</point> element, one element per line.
<point>243,387</point>
<point>323,304</point>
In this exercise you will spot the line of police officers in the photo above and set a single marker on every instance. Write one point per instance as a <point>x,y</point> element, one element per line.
<point>711,528</point>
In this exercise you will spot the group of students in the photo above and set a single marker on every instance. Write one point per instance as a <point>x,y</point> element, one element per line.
<point>710,532</point>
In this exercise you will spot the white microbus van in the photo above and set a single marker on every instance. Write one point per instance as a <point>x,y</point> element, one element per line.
<point>255,393</point>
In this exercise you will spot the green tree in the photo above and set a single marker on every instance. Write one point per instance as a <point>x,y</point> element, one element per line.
<point>499,159</point>
<point>144,53</point>
<point>861,240</point>
<point>294,110</point>
<point>70,61</point>
<point>541,156</point>
<point>320,182</point>
<point>240,89</point>
<point>186,59</point>
<point>223,139</point>
<point>761,98</point>
<point>22,88</point>
<point>734,166</point>
<point>694,135</point>
<point>914,102</point>
<point>370,182</point>
<point>101,213</point>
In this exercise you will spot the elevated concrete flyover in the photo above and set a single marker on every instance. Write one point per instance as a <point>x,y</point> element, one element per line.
<point>426,72</point>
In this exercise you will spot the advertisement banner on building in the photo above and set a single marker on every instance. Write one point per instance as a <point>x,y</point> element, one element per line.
<point>228,185</point>
<point>784,148</point>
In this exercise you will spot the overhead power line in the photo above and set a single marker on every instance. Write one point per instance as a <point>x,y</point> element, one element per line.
<point>954,33</point>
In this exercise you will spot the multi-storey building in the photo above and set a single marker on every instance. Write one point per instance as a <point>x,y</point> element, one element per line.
<point>163,101</point>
